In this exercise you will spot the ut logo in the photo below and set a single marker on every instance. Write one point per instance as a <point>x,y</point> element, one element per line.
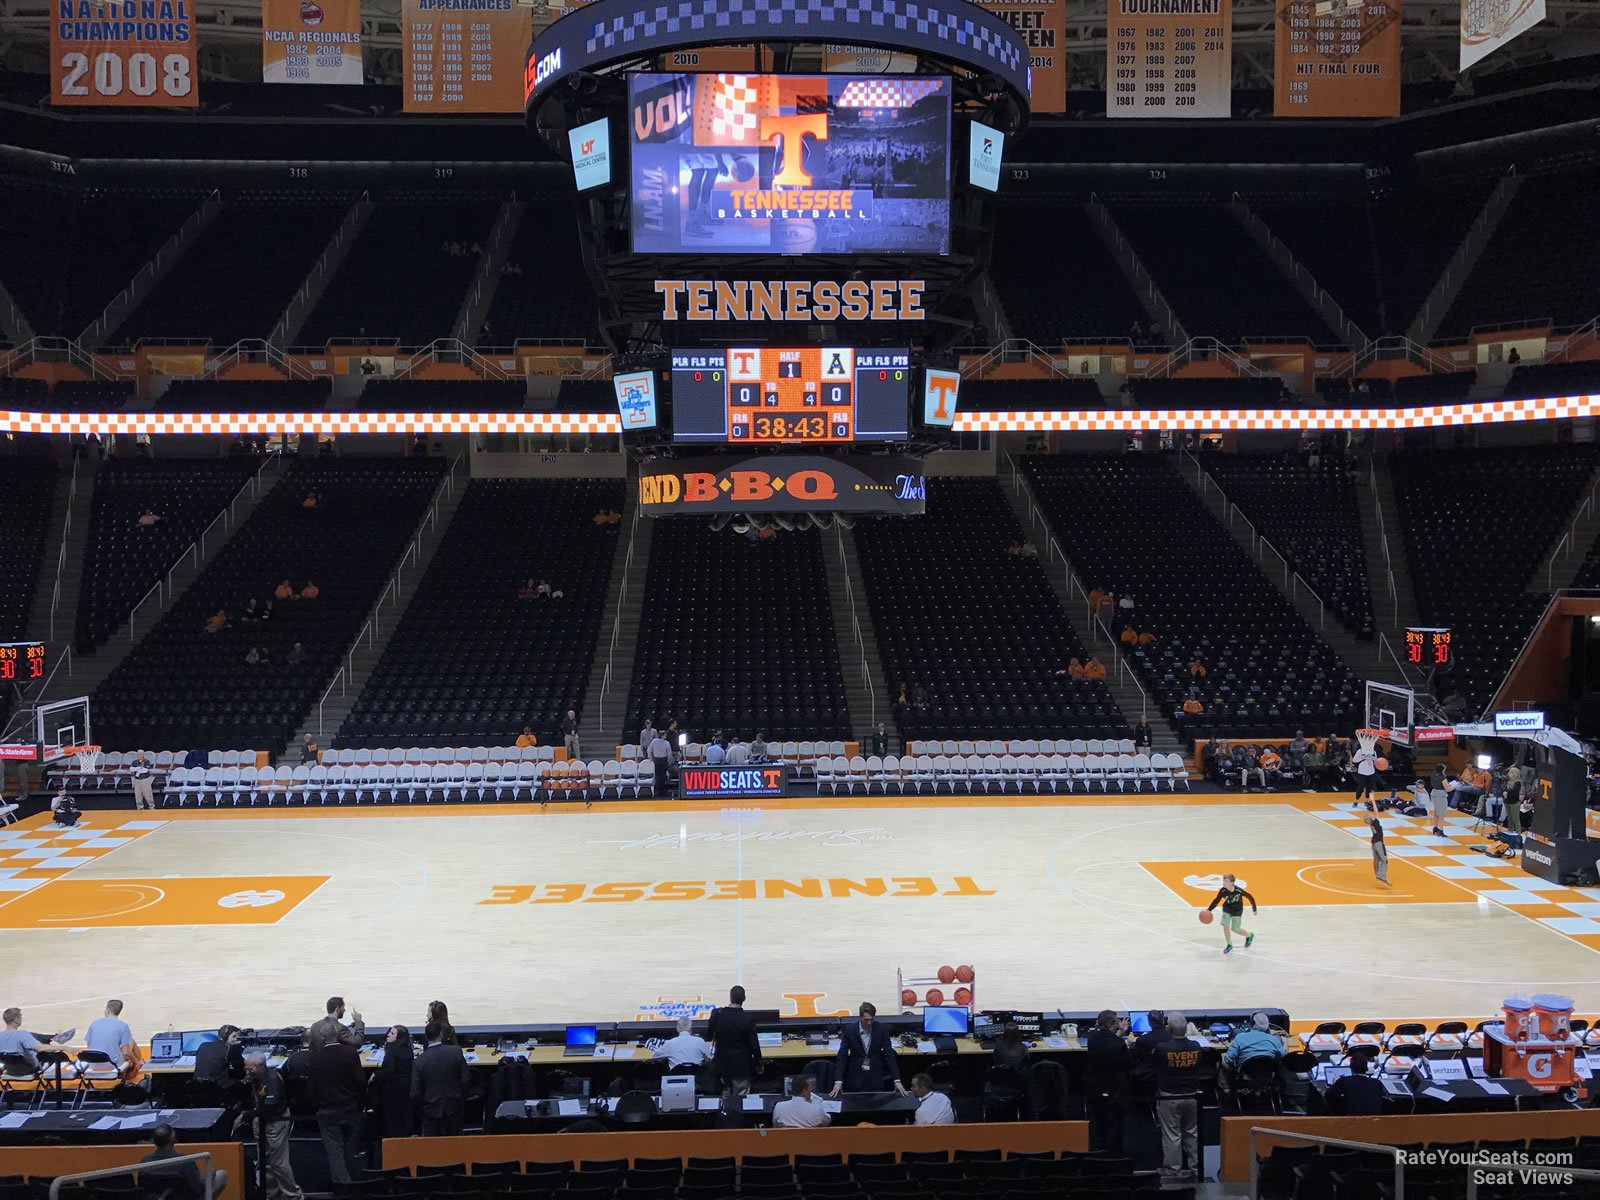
<point>789,132</point>
<point>586,147</point>
<point>742,359</point>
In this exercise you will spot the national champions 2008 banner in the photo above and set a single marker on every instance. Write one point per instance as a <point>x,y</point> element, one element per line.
<point>1169,58</point>
<point>311,41</point>
<point>123,53</point>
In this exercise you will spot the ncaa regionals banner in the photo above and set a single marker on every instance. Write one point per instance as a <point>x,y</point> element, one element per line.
<point>1486,25</point>
<point>1337,60</point>
<point>123,53</point>
<point>1042,25</point>
<point>465,56</point>
<point>311,41</point>
<point>1169,58</point>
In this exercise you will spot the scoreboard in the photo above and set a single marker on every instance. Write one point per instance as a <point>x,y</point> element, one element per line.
<point>21,662</point>
<point>806,395</point>
<point>1428,646</point>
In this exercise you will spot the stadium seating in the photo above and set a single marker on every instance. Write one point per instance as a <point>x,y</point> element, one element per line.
<point>1255,301</point>
<point>397,282</point>
<point>443,395</point>
<point>1553,379</point>
<point>1536,280</point>
<point>979,629</point>
<point>1024,766</point>
<point>123,560</point>
<point>1055,277</point>
<point>547,297</point>
<point>238,276</point>
<point>68,254</point>
<point>88,395</point>
<point>182,686</point>
<point>1331,236</point>
<point>27,488</point>
<point>1416,229</point>
<point>1070,394</point>
<point>1449,387</point>
<point>1478,526</point>
<point>516,663</point>
<point>1207,393</point>
<point>244,395</point>
<point>737,635</point>
<point>1312,517</point>
<point>1133,526</point>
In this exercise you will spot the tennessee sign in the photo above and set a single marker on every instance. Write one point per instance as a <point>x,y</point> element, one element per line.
<point>717,782</point>
<point>683,487</point>
<point>790,300</point>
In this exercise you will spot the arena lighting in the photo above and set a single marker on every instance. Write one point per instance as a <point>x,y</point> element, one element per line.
<point>1485,761</point>
<point>1197,420</point>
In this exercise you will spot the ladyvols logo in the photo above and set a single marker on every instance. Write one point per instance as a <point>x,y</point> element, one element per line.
<point>311,14</point>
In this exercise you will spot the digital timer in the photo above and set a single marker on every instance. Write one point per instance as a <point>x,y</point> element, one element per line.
<point>21,662</point>
<point>766,395</point>
<point>1428,646</point>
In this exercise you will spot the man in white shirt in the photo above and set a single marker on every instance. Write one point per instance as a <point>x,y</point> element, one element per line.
<point>715,754</point>
<point>686,1049</point>
<point>140,771</point>
<point>933,1108</point>
<point>738,753</point>
<point>110,1033</point>
<point>660,754</point>
<point>802,1110</point>
<point>647,735</point>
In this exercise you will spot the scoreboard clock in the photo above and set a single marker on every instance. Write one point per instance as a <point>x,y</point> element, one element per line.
<point>1428,646</point>
<point>802,395</point>
<point>21,662</point>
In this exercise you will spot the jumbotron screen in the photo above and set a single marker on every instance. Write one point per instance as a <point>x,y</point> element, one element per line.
<point>808,395</point>
<point>789,164</point>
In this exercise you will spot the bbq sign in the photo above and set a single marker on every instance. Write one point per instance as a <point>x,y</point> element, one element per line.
<point>782,483</point>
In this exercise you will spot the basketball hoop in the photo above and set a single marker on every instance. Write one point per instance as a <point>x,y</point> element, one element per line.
<point>87,758</point>
<point>1369,738</point>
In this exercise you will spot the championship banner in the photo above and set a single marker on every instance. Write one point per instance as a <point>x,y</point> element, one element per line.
<point>1337,60</point>
<point>1169,58</point>
<point>123,54</point>
<point>1042,25</point>
<point>1486,25</point>
<point>717,59</point>
<point>465,56</point>
<point>866,60</point>
<point>782,483</point>
<point>311,41</point>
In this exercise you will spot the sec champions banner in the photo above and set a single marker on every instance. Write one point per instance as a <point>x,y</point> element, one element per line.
<point>1043,26</point>
<point>123,53</point>
<point>465,56</point>
<point>1486,25</point>
<point>1169,58</point>
<point>1337,60</point>
<point>311,41</point>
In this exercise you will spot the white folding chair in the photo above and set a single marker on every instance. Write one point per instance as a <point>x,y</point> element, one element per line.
<point>945,772</point>
<point>1178,770</point>
<point>826,777</point>
<point>874,773</point>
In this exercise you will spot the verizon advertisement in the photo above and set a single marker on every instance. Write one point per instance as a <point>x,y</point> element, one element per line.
<point>782,483</point>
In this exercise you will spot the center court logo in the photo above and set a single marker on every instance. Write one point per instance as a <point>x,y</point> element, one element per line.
<point>817,837</point>
<point>264,899</point>
<point>1206,883</point>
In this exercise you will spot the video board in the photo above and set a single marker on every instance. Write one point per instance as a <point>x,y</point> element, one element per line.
<point>789,164</point>
<point>801,395</point>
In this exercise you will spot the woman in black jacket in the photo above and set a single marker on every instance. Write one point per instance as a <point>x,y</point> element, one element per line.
<point>390,1089</point>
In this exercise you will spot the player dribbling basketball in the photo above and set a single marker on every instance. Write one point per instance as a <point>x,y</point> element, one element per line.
<point>1232,897</point>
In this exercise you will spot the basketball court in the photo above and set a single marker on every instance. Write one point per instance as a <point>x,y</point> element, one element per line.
<point>513,914</point>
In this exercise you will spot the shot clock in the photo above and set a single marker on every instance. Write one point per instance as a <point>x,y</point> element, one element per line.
<point>1428,646</point>
<point>803,395</point>
<point>21,662</point>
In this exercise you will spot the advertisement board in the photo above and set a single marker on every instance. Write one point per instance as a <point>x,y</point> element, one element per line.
<point>783,483</point>
<point>591,154</point>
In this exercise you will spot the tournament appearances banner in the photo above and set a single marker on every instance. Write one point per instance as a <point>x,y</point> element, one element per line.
<point>1486,25</point>
<point>123,53</point>
<point>465,56</point>
<point>1042,24</point>
<point>1337,60</point>
<point>1169,58</point>
<point>311,41</point>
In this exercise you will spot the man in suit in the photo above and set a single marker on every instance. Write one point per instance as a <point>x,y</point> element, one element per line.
<point>339,1087</point>
<point>439,1082</point>
<point>332,1028</point>
<point>867,1061</point>
<point>738,1051</point>
<point>222,1062</point>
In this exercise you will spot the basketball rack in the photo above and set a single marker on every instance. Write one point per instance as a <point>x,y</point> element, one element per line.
<point>947,987</point>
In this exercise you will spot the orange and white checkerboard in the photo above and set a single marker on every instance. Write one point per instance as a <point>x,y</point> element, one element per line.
<point>32,857</point>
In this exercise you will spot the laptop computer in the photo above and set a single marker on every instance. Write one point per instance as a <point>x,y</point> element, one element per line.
<point>166,1048</point>
<point>580,1041</point>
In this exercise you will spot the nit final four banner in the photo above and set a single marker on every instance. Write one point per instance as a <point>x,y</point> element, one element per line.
<point>311,41</point>
<point>123,54</point>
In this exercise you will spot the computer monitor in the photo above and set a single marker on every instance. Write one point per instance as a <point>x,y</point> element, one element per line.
<point>938,1019</point>
<point>1139,1022</point>
<point>580,1035</point>
<point>192,1041</point>
<point>1029,1024</point>
<point>1332,1074</point>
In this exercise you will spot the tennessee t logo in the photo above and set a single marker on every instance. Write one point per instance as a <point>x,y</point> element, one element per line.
<point>742,358</point>
<point>792,129</point>
<point>944,388</point>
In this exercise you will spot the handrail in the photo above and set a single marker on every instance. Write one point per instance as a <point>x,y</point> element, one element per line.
<point>155,587</point>
<point>391,590</point>
<point>855,625</point>
<point>1383,538</point>
<point>1390,1152</point>
<point>201,1159</point>
<point>66,536</point>
<point>616,621</point>
<point>1568,543</point>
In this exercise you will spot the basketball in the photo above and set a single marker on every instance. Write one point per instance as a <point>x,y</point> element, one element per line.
<point>964,973</point>
<point>795,236</point>
<point>1382,764</point>
<point>1206,916</point>
<point>935,997</point>
<point>947,974</point>
<point>963,996</point>
<point>743,170</point>
<point>908,997</point>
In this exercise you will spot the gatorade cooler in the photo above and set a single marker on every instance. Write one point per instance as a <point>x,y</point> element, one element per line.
<point>1554,1016</point>
<point>1521,1024</point>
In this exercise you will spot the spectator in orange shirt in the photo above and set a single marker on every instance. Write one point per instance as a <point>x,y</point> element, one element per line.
<point>1074,668</point>
<point>1095,597</point>
<point>217,622</point>
<point>1197,669</point>
<point>284,591</point>
<point>310,592</point>
<point>310,501</point>
<point>602,518</point>
<point>526,738</point>
<point>1192,705</point>
<point>1271,765</point>
<point>1130,636</point>
<point>1093,668</point>
<point>1146,638</point>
